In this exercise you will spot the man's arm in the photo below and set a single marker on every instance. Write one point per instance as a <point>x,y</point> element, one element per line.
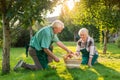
<point>48,52</point>
<point>60,44</point>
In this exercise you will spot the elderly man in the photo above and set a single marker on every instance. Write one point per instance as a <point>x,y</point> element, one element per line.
<point>40,44</point>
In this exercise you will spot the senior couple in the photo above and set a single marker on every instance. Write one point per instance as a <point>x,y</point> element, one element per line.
<point>41,43</point>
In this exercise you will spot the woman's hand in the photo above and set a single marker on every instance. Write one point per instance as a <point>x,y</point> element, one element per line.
<point>77,53</point>
<point>89,64</point>
<point>90,61</point>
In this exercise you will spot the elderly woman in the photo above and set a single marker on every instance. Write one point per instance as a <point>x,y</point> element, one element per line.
<point>39,48</point>
<point>86,46</point>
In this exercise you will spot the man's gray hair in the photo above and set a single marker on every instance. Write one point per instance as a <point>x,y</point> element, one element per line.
<point>57,23</point>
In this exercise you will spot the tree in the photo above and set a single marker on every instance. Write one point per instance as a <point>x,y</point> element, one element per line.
<point>66,16</point>
<point>104,14</point>
<point>19,12</point>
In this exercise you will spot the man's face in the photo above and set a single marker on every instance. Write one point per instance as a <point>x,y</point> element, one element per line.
<point>57,30</point>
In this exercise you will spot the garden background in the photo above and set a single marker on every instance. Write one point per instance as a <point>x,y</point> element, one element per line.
<point>21,19</point>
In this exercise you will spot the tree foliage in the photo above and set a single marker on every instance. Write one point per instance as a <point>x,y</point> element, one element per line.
<point>77,18</point>
<point>19,13</point>
<point>104,14</point>
<point>66,16</point>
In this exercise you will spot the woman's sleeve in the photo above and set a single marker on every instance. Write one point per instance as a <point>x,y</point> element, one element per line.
<point>78,48</point>
<point>92,48</point>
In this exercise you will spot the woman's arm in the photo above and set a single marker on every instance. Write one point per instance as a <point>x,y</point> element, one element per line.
<point>90,61</point>
<point>91,47</point>
<point>77,50</point>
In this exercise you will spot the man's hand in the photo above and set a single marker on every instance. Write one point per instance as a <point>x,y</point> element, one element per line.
<point>56,59</point>
<point>69,52</point>
<point>49,53</point>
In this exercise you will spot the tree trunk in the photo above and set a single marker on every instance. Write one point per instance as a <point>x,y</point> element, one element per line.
<point>31,32</point>
<point>74,37</point>
<point>6,46</point>
<point>105,41</point>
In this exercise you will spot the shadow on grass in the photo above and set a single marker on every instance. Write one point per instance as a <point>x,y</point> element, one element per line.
<point>83,74</point>
<point>47,74</point>
<point>107,73</point>
<point>97,72</point>
<point>25,74</point>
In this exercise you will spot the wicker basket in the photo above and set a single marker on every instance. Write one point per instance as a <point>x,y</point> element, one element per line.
<point>72,63</point>
<point>72,60</point>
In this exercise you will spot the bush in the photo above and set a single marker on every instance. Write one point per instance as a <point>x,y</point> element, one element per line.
<point>66,35</point>
<point>118,42</point>
<point>21,39</point>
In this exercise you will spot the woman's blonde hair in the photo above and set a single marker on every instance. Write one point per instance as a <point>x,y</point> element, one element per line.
<point>58,24</point>
<point>83,30</point>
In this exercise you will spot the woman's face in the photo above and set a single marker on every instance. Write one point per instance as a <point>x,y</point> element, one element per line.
<point>83,36</point>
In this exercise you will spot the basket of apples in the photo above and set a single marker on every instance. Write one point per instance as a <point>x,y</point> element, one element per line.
<point>72,61</point>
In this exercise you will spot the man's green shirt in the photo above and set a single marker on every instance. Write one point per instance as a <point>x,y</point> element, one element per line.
<point>43,38</point>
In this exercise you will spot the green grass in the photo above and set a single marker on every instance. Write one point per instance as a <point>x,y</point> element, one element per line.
<point>108,67</point>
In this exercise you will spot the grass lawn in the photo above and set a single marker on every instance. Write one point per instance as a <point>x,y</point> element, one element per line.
<point>108,67</point>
